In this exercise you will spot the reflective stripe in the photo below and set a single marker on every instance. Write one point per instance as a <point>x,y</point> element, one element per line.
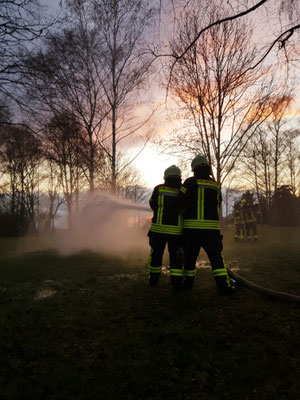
<point>149,261</point>
<point>158,210</point>
<point>183,189</point>
<point>161,208</point>
<point>169,229</point>
<point>180,221</point>
<point>227,276</point>
<point>165,193</point>
<point>176,272</point>
<point>206,183</point>
<point>220,272</point>
<point>168,190</point>
<point>201,224</point>
<point>155,270</point>
<point>227,279</point>
<point>202,203</point>
<point>198,202</point>
<point>189,272</point>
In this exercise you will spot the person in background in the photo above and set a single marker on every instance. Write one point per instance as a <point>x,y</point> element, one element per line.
<point>166,228</point>
<point>239,223</point>
<point>200,198</point>
<point>249,218</point>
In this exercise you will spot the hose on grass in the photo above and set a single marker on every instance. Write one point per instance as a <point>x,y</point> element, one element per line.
<point>260,289</point>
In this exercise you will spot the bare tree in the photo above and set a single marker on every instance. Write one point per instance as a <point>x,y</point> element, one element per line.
<point>256,165</point>
<point>52,198</point>
<point>63,147</point>
<point>129,182</point>
<point>280,33</point>
<point>93,69</point>
<point>122,25</point>
<point>293,160</point>
<point>224,104</point>
<point>270,158</point>
<point>64,81</point>
<point>22,23</point>
<point>276,125</point>
<point>20,160</point>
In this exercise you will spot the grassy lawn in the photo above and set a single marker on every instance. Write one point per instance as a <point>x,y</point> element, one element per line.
<point>87,326</point>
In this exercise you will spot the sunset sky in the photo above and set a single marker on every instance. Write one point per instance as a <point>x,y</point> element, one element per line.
<point>152,166</point>
<point>152,161</point>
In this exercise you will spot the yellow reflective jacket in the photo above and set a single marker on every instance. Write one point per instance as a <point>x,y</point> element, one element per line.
<point>167,218</point>
<point>200,199</point>
<point>238,217</point>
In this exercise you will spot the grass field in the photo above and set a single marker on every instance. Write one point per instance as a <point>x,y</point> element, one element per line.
<point>87,326</point>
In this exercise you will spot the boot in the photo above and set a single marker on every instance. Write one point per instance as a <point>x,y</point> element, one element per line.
<point>153,279</point>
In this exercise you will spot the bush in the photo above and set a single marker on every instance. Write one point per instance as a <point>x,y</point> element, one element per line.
<point>8,225</point>
<point>286,207</point>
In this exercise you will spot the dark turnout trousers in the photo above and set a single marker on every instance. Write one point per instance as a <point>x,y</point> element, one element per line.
<point>251,231</point>
<point>240,232</point>
<point>211,242</point>
<point>158,243</point>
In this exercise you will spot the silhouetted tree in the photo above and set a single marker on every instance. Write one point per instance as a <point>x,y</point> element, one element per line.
<point>276,125</point>
<point>93,69</point>
<point>270,158</point>
<point>122,26</point>
<point>64,82</point>
<point>21,24</point>
<point>285,35</point>
<point>220,95</point>
<point>286,207</point>
<point>20,159</point>
<point>292,153</point>
<point>63,147</point>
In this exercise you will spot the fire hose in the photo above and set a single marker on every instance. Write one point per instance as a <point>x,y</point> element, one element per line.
<point>260,289</point>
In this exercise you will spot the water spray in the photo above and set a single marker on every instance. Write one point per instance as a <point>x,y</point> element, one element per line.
<point>102,223</point>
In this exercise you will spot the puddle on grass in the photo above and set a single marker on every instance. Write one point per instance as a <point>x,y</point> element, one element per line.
<point>235,267</point>
<point>165,270</point>
<point>202,264</point>
<point>44,293</point>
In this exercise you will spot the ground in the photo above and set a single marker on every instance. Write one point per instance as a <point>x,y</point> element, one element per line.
<point>88,326</point>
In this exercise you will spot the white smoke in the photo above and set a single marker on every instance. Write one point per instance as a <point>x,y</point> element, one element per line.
<point>105,223</point>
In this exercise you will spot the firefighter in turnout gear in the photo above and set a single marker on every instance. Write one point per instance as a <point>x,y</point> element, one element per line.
<point>239,223</point>
<point>250,221</point>
<point>200,198</point>
<point>166,228</point>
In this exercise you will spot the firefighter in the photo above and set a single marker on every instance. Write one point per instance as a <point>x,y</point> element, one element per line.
<point>200,198</point>
<point>166,228</point>
<point>239,223</point>
<point>249,218</point>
